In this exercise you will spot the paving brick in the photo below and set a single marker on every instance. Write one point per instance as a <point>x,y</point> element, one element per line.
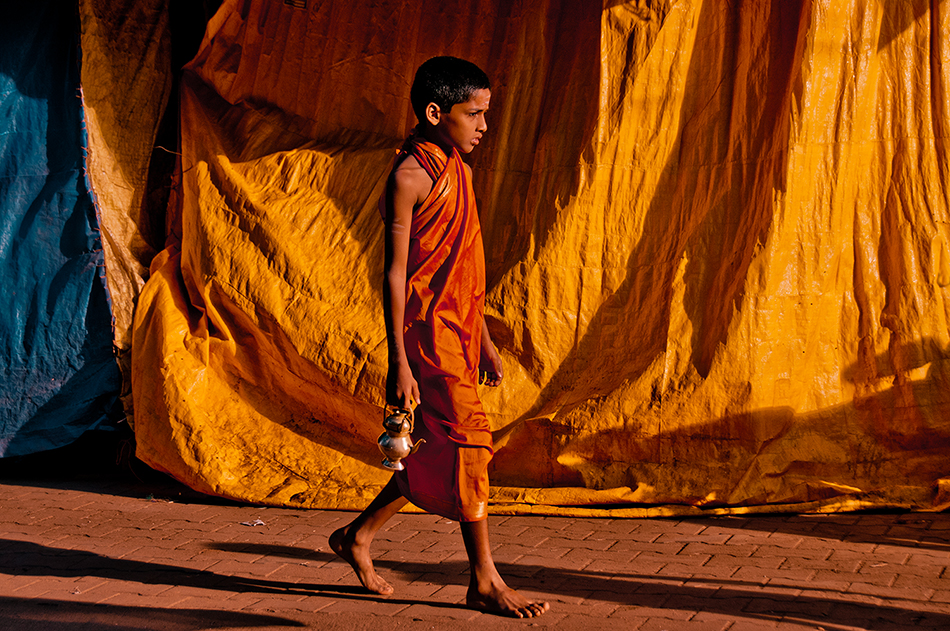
<point>763,625</point>
<point>369,605</point>
<point>692,599</point>
<point>633,545</point>
<point>541,563</point>
<point>680,559</point>
<point>852,577</point>
<point>834,545</point>
<point>770,551</point>
<point>582,585</point>
<point>34,589</point>
<point>811,607</point>
<point>280,605</point>
<point>919,593</point>
<point>235,567</point>
<point>591,608</point>
<point>727,559</point>
<point>685,625</point>
<point>711,549</point>
<point>633,566</point>
<point>581,621</point>
<point>725,526</point>
<point>436,542</point>
<point>873,617</point>
<point>413,556</point>
<point>126,599</point>
<point>142,590</point>
<point>927,552</point>
<point>292,570</point>
<point>906,580</point>
<point>425,612</point>
<point>798,563</point>
<point>331,573</point>
<point>632,613</point>
<point>581,560</point>
<point>928,572</point>
<point>713,619</point>
<point>785,539</point>
<point>586,544</point>
<point>894,556</point>
<point>697,540</point>
<point>758,539</point>
<point>755,574</point>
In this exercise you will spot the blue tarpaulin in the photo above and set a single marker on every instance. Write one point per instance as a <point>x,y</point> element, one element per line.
<point>58,375</point>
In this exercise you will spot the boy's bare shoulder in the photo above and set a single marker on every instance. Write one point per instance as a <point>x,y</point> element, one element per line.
<point>409,179</point>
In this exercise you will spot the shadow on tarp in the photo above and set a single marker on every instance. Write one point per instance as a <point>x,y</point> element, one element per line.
<point>900,15</point>
<point>101,461</point>
<point>723,223</point>
<point>104,462</point>
<point>735,598</point>
<point>887,448</point>
<point>29,614</point>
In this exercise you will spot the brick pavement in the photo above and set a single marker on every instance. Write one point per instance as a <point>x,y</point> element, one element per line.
<point>101,550</point>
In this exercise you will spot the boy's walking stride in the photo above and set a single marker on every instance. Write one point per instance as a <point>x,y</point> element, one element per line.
<point>439,346</point>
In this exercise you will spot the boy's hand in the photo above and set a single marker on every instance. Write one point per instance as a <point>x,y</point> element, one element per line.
<point>490,370</point>
<point>402,390</point>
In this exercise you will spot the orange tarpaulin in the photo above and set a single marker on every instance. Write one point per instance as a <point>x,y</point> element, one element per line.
<point>126,79</point>
<point>716,240</point>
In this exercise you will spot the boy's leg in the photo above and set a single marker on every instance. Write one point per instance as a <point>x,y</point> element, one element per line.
<point>352,542</point>
<point>487,591</point>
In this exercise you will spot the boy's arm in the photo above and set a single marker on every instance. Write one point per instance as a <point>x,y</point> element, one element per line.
<point>403,192</point>
<point>490,370</point>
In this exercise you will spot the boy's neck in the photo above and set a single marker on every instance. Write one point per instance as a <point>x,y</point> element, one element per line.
<point>428,133</point>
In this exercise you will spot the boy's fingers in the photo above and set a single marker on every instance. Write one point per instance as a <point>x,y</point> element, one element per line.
<point>416,396</point>
<point>489,378</point>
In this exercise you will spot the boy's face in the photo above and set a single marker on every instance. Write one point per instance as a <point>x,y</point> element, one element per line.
<point>463,126</point>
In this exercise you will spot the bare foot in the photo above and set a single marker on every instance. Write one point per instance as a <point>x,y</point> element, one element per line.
<point>502,600</point>
<point>358,557</point>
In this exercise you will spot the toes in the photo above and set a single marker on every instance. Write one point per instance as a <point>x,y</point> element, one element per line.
<point>535,609</point>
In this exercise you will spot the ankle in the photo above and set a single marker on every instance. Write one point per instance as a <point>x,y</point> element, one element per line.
<point>359,537</point>
<point>486,582</point>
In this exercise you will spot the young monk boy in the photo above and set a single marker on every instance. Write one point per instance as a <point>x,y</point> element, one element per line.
<point>439,346</point>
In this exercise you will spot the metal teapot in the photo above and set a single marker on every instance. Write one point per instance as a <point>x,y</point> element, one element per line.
<point>395,442</point>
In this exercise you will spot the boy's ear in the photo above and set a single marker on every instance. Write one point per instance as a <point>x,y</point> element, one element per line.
<point>433,113</point>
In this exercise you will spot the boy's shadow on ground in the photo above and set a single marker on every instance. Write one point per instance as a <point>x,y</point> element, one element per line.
<point>730,597</point>
<point>723,597</point>
<point>916,531</point>
<point>56,615</point>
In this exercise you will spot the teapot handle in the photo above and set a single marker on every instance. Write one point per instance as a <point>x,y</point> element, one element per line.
<point>407,411</point>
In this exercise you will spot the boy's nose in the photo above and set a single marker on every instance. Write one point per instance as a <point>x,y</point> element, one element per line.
<point>482,125</point>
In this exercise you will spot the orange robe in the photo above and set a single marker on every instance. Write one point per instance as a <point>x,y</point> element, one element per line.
<point>445,299</point>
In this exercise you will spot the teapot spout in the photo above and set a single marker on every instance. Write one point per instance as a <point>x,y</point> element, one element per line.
<point>417,445</point>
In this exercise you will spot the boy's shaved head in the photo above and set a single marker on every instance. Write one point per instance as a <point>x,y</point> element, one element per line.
<point>445,81</point>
